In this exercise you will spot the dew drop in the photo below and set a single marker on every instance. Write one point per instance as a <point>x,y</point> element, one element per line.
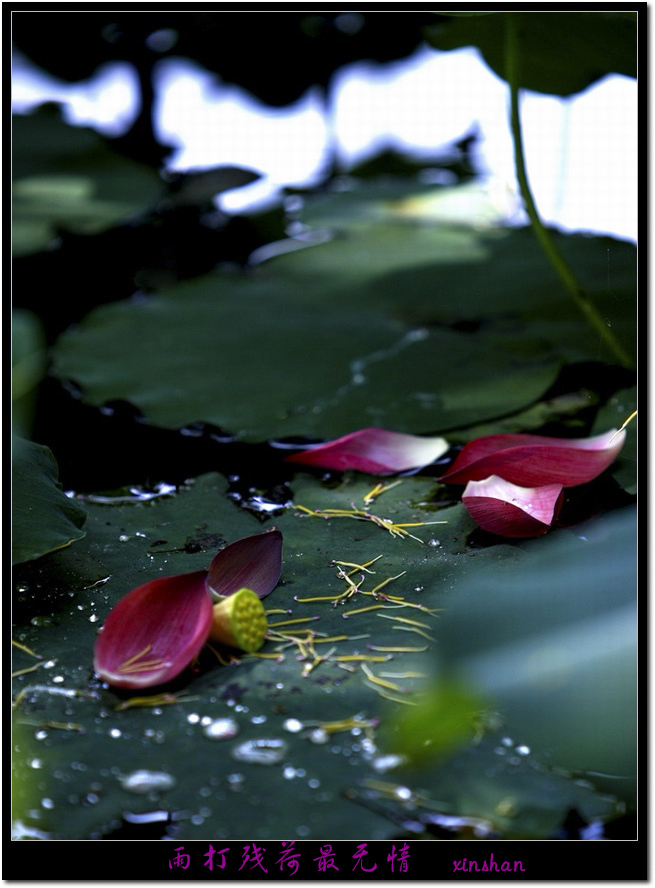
<point>221,729</point>
<point>293,725</point>
<point>142,782</point>
<point>319,736</point>
<point>261,752</point>
<point>42,621</point>
<point>384,763</point>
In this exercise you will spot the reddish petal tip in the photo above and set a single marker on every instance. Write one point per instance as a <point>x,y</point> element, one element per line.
<point>505,509</point>
<point>254,562</point>
<point>534,460</point>
<point>373,451</point>
<point>155,632</point>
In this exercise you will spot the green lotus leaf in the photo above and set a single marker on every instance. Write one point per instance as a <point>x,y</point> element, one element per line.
<point>562,53</point>
<point>44,518</point>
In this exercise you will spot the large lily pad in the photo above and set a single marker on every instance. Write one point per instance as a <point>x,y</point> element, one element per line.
<point>414,324</point>
<point>315,711</point>
<point>562,53</point>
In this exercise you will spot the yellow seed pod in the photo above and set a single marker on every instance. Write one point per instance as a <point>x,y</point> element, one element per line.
<point>240,621</point>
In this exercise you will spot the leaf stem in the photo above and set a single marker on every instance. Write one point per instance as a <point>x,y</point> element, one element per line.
<point>559,264</point>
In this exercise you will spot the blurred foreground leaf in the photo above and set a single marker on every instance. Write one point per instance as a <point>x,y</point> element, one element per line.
<point>552,642</point>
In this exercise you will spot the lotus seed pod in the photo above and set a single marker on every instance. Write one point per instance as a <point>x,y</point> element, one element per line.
<point>240,621</point>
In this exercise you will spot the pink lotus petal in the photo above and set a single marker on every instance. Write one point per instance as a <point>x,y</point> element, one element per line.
<point>251,563</point>
<point>374,451</point>
<point>155,632</point>
<point>511,511</point>
<point>533,460</point>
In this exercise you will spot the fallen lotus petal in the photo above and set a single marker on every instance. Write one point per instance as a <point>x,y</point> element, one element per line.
<point>254,562</point>
<point>533,460</point>
<point>155,632</point>
<point>505,509</point>
<point>240,621</point>
<point>374,451</point>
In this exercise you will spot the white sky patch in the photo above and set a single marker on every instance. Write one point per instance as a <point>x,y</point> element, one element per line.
<point>108,101</point>
<point>212,123</point>
<point>581,152</point>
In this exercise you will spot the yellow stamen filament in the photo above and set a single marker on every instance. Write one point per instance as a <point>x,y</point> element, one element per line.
<point>398,650</point>
<point>362,610</point>
<point>154,700</point>
<point>379,681</point>
<point>360,515</point>
<point>229,660</point>
<point>412,629</point>
<point>364,567</point>
<point>403,675</point>
<point>146,666</point>
<point>405,620</point>
<point>292,622</point>
<point>346,725</point>
<point>323,598</point>
<point>388,696</point>
<point>145,651</point>
<point>347,658</point>
<point>310,667</point>
<point>378,489</point>
<point>388,580</point>
<point>59,726</point>
<point>628,420</point>
<point>289,641</point>
<point>130,666</point>
<point>21,647</point>
<point>27,669</point>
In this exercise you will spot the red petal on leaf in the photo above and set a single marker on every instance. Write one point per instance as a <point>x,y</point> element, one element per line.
<point>155,632</point>
<point>512,511</point>
<point>251,563</point>
<point>533,460</point>
<point>374,451</point>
